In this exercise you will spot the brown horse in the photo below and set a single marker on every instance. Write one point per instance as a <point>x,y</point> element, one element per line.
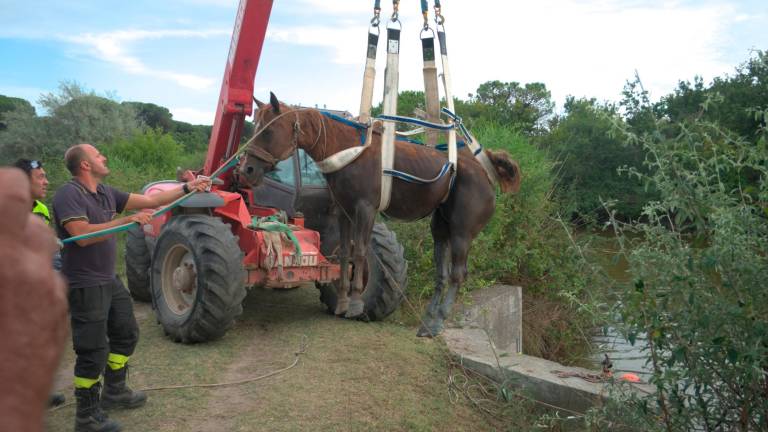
<point>459,211</point>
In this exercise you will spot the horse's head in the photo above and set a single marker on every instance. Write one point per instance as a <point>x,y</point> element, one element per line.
<point>275,138</point>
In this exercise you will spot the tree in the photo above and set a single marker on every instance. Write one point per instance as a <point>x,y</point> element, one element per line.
<point>153,116</point>
<point>590,157</point>
<point>525,107</point>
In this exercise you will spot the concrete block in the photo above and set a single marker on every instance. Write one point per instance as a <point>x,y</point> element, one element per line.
<point>499,311</point>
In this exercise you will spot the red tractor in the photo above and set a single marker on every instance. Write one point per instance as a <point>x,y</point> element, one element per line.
<point>196,262</point>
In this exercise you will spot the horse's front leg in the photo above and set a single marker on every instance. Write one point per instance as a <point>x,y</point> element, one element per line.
<point>441,259</point>
<point>342,290</point>
<point>361,235</point>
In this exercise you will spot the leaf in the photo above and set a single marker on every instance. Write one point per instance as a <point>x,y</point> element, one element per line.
<point>733,355</point>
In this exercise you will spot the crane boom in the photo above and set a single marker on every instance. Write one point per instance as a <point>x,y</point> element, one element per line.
<point>236,95</point>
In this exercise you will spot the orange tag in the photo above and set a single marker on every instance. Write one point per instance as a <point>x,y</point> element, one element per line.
<point>630,377</point>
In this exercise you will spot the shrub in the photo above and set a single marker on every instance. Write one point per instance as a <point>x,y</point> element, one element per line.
<point>698,291</point>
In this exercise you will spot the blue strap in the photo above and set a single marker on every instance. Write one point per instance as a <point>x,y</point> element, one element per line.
<point>362,127</point>
<point>413,179</point>
<point>457,121</point>
<point>418,122</point>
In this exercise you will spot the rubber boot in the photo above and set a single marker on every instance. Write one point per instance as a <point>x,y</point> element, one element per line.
<point>117,394</point>
<point>89,417</point>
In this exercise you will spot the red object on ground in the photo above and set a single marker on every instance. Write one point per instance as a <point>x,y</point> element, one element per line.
<point>630,377</point>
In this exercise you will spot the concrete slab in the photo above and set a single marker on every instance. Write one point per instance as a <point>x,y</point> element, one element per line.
<point>533,375</point>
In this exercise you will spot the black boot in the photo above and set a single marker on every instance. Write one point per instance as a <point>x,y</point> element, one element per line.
<point>117,394</point>
<point>89,416</point>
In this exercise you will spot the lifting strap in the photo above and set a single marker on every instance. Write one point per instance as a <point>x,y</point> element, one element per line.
<point>440,20</point>
<point>369,75</point>
<point>431,91</point>
<point>391,78</point>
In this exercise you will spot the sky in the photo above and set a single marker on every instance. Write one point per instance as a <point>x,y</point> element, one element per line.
<point>172,52</point>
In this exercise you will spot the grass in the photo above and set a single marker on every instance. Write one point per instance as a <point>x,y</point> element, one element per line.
<point>353,376</point>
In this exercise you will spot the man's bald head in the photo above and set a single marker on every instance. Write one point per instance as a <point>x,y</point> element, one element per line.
<point>74,156</point>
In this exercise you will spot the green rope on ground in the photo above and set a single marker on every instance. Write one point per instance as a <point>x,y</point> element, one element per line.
<point>271,224</point>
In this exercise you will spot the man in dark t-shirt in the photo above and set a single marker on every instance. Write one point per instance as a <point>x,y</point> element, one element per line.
<point>104,329</point>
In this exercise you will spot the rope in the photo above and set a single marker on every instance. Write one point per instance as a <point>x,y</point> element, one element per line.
<point>271,224</point>
<point>226,165</point>
<point>297,355</point>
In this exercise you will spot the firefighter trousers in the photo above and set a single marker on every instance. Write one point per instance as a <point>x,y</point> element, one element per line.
<point>102,323</point>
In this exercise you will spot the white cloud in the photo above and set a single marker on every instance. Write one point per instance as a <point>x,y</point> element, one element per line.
<point>113,47</point>
<point>574,47</point>
<point>193,115</point>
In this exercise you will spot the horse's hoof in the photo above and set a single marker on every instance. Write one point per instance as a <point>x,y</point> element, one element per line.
<point>356,308</point>
<point>361,317</point>
<point>429,331</point>
<point>341,308</point>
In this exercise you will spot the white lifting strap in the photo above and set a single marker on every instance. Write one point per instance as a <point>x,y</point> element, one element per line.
<point>431,92</point>
<point>452,152</point>
<point>369,76</point>
<point>391,77</point>
<point>472,143</point>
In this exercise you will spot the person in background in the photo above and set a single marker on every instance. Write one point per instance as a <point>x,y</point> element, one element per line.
<point>38,182</point>
<point>104,328</point>
<point>33,308</point>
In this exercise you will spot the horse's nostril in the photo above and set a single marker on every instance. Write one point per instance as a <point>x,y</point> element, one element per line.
<point>249,170</point>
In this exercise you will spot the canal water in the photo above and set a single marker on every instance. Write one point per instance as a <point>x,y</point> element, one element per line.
<point>626,358</point>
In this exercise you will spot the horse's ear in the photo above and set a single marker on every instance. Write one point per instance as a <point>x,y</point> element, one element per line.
<point>275,103</point>
<point>259,103</point>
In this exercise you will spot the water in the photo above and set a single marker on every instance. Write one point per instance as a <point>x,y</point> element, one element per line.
<point>624,356</point>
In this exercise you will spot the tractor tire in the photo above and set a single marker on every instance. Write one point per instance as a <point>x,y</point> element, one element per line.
<point>386,277</point>
<point>198,279</point>
<point>137,263</point>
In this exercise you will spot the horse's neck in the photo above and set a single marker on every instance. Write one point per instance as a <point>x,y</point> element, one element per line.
<point>323,137</point>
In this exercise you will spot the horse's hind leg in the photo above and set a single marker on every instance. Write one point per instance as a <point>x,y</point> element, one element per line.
<point>342,291</point>
<point>459,253</point>
<point>431,324</point>
<point>361,234</point>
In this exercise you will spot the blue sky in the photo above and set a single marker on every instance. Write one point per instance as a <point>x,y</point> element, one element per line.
<point>172,52</point>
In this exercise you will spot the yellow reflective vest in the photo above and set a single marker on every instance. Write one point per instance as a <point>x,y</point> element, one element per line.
<point>41,210</point>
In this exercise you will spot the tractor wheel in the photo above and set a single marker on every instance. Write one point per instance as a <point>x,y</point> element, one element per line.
<point>385,279</point>
<point>137,262</point>
<point>198,280</point>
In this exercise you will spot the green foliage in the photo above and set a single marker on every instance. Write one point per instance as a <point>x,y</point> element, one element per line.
<point>150,148</point>
<point>730,99</point>
<point>153,116</point>
<point>8,104</point>
<point>527,108</point>
<point>698,292</point>
<point>74,116</point>
<point>589,158</point>
<point>194,138</point>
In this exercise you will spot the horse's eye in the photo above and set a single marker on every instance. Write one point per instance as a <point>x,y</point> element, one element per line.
<point>267,134</point>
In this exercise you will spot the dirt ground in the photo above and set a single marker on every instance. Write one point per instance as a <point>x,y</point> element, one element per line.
<point>352,376</point>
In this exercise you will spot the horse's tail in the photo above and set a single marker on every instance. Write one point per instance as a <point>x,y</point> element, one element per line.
<point>507,170</point>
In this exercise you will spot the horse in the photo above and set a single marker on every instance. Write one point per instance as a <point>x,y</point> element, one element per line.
<point>460,206</point>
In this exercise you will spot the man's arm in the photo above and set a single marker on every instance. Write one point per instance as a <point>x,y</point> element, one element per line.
<point>78,227</point>
<point>138,201</point>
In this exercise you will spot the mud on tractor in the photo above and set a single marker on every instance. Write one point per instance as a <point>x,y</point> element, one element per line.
<point>196,262</point>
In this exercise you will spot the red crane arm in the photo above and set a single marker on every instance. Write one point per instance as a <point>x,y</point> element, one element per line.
<point>236,95</point>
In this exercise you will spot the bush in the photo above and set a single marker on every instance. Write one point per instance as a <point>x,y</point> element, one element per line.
<point>698,291</point>
<point>150,148</point>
